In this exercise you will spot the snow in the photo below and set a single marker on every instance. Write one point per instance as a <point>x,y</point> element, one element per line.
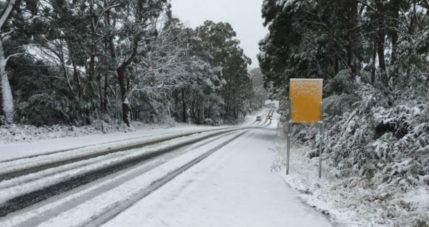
<point>123,192</point>
<point>233,187</point>
<point>241,184</point>
<point>103,195</point>
<point>43,146</point>
<point>19,141</point>
<point>21,185</point>
<point>351,201</point>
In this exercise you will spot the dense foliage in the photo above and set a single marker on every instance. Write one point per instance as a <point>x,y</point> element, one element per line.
<point>373,56</point>
<point>77,61</point>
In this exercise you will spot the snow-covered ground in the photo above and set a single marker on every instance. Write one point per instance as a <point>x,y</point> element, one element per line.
<point>82,205</point>
<point>233,187</point>
<point>22,149</point>
<point>237,185</point>
<point>23,141</point>
<point>350,201</point>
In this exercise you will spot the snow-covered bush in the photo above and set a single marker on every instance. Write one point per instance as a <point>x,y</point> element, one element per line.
<point>368,135</point>
<point>28,133</point>
<point>342,83</point>
<point>43,109</point>
<point>338,104</point>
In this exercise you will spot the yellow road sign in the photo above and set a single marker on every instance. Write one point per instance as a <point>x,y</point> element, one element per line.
<point>306,97</point>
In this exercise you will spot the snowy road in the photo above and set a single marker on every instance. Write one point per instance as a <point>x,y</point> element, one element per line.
<point>215,178</point>
<point>233,187</point>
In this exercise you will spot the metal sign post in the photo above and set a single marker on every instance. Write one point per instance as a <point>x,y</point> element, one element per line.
<point>288,137</point>
<point>305,106</point>
<point>320,140</point>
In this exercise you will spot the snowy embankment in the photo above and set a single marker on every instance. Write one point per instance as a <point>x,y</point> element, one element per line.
<point>63,138</point>
<point>354,200</point>
<point>29,133</point>
<point>18,141</point>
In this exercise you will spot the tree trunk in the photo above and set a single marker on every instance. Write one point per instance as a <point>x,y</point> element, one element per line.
<point>184,115</point>
<point>393,25</point>
<point>91,66</point>
<point>413,22</point>
<point>350,8</point>
<point>7,12</point>
<point>427,80</point>
<point>106,86</point>
<point>374,56</point>
<point>77,80</point>
<point>336,65</point>
<point>93,45</point>
<point>349,58</point>
<point>381,33</point>
<point>121,71</point>
<point>380,53</point>
<point>6,91</point>
<point>394,40</point>
<point>124,99</point>
<point>109,39</point>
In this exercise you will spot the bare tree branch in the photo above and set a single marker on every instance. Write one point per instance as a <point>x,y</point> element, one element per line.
<point>11,56</point>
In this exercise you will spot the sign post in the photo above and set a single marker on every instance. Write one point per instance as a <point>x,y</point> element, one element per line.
<point>320,148</point>
<point>288,138</point>
<point>305,107</point>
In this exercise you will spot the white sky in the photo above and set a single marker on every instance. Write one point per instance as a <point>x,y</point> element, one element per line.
<point>243,15</point>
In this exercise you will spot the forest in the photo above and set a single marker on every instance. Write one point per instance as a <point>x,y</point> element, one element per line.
<point>373,56</point>
<point>71,64</point>
<point>77,62</point>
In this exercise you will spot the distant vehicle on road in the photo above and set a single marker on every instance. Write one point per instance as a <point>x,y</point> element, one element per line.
<point>258,118</point>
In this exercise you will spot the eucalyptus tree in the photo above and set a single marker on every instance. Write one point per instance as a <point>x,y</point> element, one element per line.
<point>172,67</point>
<point>8,12</point>
<point>222,46</point>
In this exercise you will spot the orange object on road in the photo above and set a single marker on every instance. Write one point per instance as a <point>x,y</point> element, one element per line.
<point>306,97</point>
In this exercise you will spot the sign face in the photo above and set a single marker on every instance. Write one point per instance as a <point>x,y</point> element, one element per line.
<point>306,97</point>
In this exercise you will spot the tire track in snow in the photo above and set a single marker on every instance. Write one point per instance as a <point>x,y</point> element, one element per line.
<point>116,209</point>
<point>55,206</point>
<point>28,199</point>
<point>21,169</point>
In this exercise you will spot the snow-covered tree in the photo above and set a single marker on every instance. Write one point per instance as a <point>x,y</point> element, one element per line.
<point>373,56</point>
<point>219,40</point>
<point>6,92</point>
<point>91,60</point>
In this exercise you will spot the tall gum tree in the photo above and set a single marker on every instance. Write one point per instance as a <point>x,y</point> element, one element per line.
<point>6,91</point>
<point>131,37</point>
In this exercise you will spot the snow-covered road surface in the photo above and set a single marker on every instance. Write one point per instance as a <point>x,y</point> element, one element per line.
<point>233,187</point>
<point>217,178</point>
<point>22,150</point>
<point>117,189</point>
<point>20,192</point>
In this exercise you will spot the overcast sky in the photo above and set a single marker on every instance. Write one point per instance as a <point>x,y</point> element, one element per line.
<point>243,15</point>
